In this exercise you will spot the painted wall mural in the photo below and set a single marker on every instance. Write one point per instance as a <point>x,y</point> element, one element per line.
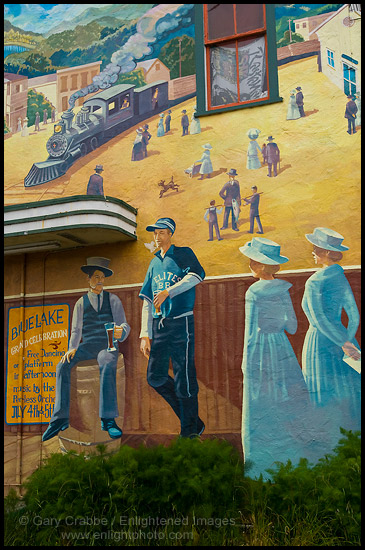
<point>229,315</point>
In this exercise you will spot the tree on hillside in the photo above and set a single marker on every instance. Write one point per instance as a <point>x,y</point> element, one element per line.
<point>135,77</point>
<point>37,102</point>
<point>285,41</point>
<point>106,31</point>
<point>37,62</point>
<point>82,36</point>
<point>170,56</point>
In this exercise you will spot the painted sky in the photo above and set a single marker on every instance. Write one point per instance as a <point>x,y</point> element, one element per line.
<point>41,17</point>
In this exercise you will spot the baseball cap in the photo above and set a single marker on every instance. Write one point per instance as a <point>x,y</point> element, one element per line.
<point>163,223</point>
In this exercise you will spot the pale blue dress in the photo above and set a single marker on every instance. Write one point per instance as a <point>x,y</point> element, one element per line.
<point>253,161</point>
<point>160,128</point>
<point>206,167</point>
<point>276,421</point>
<point>334,387</point>
<point>293,111</point>
<point>195,125</point>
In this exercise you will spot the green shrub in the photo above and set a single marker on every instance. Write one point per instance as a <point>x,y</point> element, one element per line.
<point>326,495</point>
<point>37,102</point>
<point>199,487</point>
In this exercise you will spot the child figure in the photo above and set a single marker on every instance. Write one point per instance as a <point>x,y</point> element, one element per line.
<point>264,154</point>
<point>210,216</point>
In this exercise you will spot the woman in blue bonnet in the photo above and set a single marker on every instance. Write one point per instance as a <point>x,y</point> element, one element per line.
<point>333,385</point>
<point>276,408</point>
<point>160,128</point>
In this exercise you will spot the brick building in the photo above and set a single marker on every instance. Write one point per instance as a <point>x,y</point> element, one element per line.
<point>15,99</point>
<point>72,79</point>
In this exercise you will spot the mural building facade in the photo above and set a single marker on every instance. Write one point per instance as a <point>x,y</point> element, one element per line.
<point>182,228</point>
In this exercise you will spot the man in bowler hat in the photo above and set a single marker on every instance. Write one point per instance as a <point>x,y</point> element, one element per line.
<point>230,190</point>
<point>185,123</point>
<point>168,121</point>
<point>95,185</point>
<point>350,114</point>
<point>253,201</point>
<point>91,312</point>
<point>299,98</point>
<point>146,136</point>
<point>273,156</point>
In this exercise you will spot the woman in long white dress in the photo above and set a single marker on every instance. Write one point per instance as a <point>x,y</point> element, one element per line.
<point>206,167</point>
<point>253,161</point>
<point>293,110</point>
<point>194,124</point>
<point>25,131</point>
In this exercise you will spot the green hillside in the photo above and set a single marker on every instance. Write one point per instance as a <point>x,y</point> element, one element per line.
<point>8,26</point>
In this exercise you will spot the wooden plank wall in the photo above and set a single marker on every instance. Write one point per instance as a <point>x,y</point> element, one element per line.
<point>219,332</point>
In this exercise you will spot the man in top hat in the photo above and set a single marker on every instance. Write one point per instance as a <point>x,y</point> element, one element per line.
<point>185,123</point>
<point>146,136</point>
<point>168,121</point>
<point>299,100</point>
<point>230,190</point>
<point>253,201</point>
<point>273,156</point>
<point>168,295</point>
<point>350,114</point>
<point>95,185</point>
<point>91,312</point>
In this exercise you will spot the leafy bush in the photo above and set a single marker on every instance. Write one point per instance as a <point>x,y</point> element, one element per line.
<point>37,102</point>
<point>326,494</point>
<point>200,486</point>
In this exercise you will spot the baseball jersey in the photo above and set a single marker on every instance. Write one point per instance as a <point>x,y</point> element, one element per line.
<point>164,272</point>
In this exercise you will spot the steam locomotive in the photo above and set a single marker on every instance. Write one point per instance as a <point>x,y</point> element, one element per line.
<point>102,117</point>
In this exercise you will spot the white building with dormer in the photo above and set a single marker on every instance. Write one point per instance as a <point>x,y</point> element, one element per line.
<point>340,47</point>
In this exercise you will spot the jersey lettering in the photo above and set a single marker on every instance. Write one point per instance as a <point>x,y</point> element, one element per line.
<point>166,276</point>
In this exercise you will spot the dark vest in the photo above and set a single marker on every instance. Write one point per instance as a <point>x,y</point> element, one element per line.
<point>213,215</point>
<point>93,330</point>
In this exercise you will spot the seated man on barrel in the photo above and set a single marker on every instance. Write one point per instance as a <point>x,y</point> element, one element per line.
<point>91,312</point>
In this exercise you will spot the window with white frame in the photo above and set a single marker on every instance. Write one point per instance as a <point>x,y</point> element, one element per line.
<point>330,58</point>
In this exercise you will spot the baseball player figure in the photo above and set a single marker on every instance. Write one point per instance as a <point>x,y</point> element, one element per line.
<point>167,331</point>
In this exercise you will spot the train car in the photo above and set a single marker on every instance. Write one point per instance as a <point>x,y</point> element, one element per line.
<point>101,117</point>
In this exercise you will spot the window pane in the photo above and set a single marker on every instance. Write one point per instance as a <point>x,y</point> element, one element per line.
<point>249,17</point>
<point>223,74</point>
<point>352,74</point>
<point>220,20</point>
<point>252,69</point>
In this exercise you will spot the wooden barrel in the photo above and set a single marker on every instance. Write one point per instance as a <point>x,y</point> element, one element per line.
<point>84,432</point>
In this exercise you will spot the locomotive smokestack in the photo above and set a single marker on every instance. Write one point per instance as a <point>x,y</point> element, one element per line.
<point>85,114</point>
<point>67,117</point>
